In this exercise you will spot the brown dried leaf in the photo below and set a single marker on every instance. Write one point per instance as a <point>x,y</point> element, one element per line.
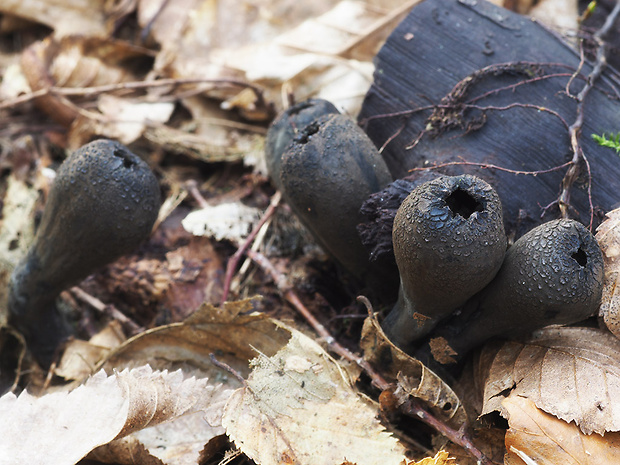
<point>489,441</point>
<point>572,373</point>
<point>608,237</point>
<point>413,377</point>
<point>297,407</point>
<point>87,17</point>
<point>62,427</point>
<point>178,284</point>
<point>80,357</point>
<point>76,62</point>
<point>232,332</point>
<point>535,437</point>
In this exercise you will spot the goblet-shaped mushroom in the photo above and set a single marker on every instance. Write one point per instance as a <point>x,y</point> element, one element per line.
<point>449,243</point>
<point>551,275</point>
<point>102,205</point>
<point>328,170</point>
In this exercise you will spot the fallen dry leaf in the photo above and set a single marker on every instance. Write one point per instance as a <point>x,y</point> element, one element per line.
<point>63,427</point>
<point>608,238</point>
<point>537,438</point>
<point>77,62</point>
<point>413,377</point>
<point>80,357</point>
<point>441,458</point>
<point>572,373</point>
<point>297,407</point>
<point>17,227</point>
<point>231,221</point>
<point>87,17</point>
<point>560,15</point>
<point>232,332</point>
<point>126,120</point>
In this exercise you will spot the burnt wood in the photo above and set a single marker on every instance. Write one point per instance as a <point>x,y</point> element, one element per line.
<point>442,77</point>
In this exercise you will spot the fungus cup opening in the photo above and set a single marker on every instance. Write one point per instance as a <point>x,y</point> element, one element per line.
<point>461,203</point>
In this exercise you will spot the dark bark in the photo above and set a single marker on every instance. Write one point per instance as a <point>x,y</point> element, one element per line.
<point>445,57</point>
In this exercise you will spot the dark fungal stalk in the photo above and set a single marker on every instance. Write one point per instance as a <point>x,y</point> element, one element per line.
<point>102,205</point>
<point>449,243</point>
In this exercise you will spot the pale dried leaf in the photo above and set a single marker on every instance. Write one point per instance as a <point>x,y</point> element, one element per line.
<point>189,345</point>
<point>233,41</point>
<point>17,228</point>
<point>297,407</point>
<point>175,442</point>
<point>413,377</point>
<point>231,221</point>
<point>537,438</point>
<point>572,373</point>
<point>85,17</point>
<point>608,237</point>
<point>62,427</point>
<point>125,120</point>
<point>189,30</point>
<point>13,82</point>
<point>561,15</point>
<point>76,62</point>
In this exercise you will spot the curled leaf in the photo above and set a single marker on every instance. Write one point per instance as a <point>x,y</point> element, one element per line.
<point>63,427</point>
<point>413,377</point>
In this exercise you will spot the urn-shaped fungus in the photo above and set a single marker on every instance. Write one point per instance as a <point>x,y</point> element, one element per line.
<point>551,275</point>
<point>449,243</point>
<point>328,170</point>
<point>102,205</point>
<point>286,126</point>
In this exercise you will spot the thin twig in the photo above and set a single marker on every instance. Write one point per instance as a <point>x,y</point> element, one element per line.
<point>228,368</point>
<point>233,262</point>
<point>108,309</point>
<point>491,166</point>
<point>519,105</point>
<point>192,188</point>
<point>290,295</point>
<point>132,85</point>
<point>574,130</point>
<point>413,408</point>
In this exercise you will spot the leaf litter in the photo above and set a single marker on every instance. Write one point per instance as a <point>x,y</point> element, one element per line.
<point>299,407</point>
<point>68,425</point>
<point>228,71</point>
